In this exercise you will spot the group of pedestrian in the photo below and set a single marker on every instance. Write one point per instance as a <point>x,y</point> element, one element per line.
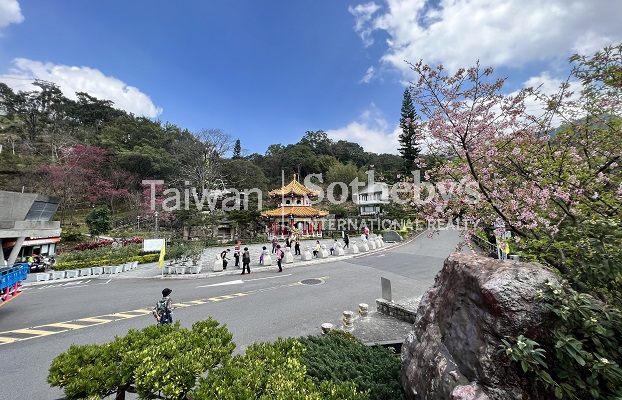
<point>237,254</point>
<point>163,311</point>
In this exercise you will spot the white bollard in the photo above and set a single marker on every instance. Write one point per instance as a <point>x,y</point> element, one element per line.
<point>289,257</point>
<point>354,249</point>
<point>363,310</point>
<point>217,264</point>
<point>348,320</point>
<point>306,254</point>
<point>323,252</point>
<point>326,328</point>
<point>363,246</point>
<point>267,258</point>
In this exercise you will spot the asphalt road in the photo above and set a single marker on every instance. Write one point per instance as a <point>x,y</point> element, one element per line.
<point>45,320</point>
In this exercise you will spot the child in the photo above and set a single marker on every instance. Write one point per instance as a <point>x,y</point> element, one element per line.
<point>163,311</point>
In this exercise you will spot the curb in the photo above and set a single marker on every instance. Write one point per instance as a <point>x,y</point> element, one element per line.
<point>224,273</point>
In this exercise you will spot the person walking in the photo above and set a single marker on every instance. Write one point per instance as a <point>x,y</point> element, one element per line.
<point>297,247</point>
<point>225,260</point>
<point>246,261</point>
<point>346,241</point>
<point>263,251</point>
<point>275,242</point>
<point>163,311</point>
<point>279,256</point>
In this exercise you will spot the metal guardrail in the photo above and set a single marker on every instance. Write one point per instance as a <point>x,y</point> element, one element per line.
<point>10,278</point>
<point>489,249</point>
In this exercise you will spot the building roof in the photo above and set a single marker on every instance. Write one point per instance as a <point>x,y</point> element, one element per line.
<point>294,188</point>
<point>295,211</point>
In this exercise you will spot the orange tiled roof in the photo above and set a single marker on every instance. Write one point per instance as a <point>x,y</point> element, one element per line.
<point>295,211</point>
<point>293,188</point>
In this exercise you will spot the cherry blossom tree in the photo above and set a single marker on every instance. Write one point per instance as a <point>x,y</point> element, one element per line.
<point>547,178</point>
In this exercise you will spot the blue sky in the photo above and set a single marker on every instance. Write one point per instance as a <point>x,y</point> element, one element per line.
<point>268,71</point>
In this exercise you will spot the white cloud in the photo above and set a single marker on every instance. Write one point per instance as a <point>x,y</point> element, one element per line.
<point>73,79</point>
<point>509,33</point>
<point>363,14</point>
<point>371,131</point>
<point>10,13</point>
<point>369,75</point>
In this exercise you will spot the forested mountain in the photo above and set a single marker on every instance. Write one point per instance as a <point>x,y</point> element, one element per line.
<point>88,152</point>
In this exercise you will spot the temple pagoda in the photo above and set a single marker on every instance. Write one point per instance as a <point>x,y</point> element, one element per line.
<point>295,214</point>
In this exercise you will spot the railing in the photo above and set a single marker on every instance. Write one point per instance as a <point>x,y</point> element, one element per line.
<point>10,278</point>
<point>489,249</point>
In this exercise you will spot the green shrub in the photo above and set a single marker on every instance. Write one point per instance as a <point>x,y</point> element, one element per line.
<point>585,352</point>
<point>270,371</point>
<point>162,359</point>
<point>340,357</point>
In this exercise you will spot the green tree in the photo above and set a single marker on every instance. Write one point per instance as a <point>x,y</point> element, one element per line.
<point>237,150</point>
<point>99,221</point>
<point>408,139</point>
<point>300,159</point>
<point>347,152</point>
<point>318,141</point>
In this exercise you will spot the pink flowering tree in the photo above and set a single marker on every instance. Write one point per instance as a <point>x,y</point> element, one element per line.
<point>84,176</point>
<point>552,179</point>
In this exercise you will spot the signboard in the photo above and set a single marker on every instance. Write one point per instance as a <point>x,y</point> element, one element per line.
<point>386,289</point>
<point>153,245</point>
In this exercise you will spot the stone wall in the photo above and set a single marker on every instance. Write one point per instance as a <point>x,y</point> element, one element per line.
<point>395,310</point>
<point>452,351</point>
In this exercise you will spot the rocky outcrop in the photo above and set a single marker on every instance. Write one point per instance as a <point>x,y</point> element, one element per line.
<point>452,351</point>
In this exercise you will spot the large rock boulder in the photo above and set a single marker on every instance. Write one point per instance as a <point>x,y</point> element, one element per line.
<point>452,351</point>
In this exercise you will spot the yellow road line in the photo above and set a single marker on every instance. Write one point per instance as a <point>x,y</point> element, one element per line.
<point>67,325</point>
<point>39,331</point>
<point>93,319</point>
<point>31,331</point>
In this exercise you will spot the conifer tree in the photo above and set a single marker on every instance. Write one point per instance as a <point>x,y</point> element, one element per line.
<point>409,149</point>
<point>237,150</point>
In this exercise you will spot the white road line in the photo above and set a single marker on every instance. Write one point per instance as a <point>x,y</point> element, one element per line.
<point>269,277</point>
<point>239,281</point>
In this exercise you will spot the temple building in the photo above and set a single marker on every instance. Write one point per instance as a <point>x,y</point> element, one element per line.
<point>295,214</point>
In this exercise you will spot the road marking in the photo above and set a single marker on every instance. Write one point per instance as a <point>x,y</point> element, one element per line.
<point>66,325</point>
<point>239,281</point>
<point>269,277</point>
<point>17,335</point>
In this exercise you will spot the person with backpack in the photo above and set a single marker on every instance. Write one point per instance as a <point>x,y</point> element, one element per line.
<point>279,256</point>
<point>246,261</point>
<point>224,258</point>
<point>163,311</point>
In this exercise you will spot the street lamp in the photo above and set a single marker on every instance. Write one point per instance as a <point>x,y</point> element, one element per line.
<point>156,224</point>
<point>138,222</point>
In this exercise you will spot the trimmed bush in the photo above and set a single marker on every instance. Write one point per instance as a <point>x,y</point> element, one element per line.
<point>340,357</point>
<point>270,371</point>
<point>162,359</point>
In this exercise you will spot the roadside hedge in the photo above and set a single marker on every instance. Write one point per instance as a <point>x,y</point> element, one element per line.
<point>341,357</point>
<point>77,264</point>
<point>170,362</point>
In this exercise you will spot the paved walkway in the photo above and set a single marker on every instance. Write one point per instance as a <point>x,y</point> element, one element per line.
<point>151,270</point>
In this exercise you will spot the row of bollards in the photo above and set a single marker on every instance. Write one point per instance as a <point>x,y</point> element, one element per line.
<point>348,319</point>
